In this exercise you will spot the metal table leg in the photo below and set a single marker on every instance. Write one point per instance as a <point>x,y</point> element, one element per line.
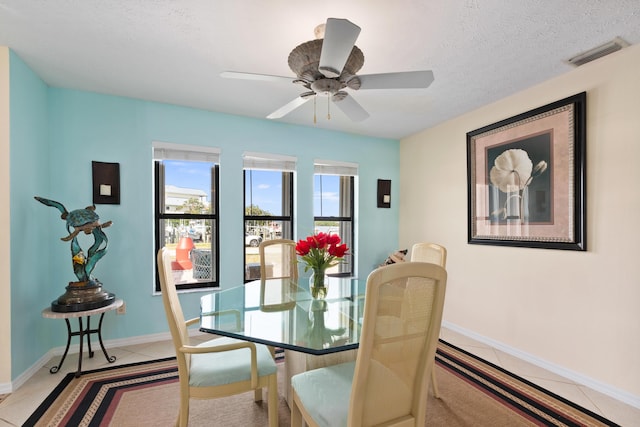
<point>110,359</point>
<point>81,332</point>
<point>66,350</point>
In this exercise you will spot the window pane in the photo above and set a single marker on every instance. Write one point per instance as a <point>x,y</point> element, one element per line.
<point>199,230</point>
<point>187,187</point>
<point>333,213</point>
<point>344,230</point>
<point>268,213</point>
<point>264,192</point>
<point>326,195</point>
<point>257,231</point>
<point>266,229</point>
<point>190,242</point>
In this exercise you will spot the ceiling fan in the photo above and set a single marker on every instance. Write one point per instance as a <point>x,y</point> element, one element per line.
<point>328,65</point>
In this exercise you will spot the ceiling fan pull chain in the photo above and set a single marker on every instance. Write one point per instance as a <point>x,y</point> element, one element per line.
<point>328,107</point>
<point>314,109</point>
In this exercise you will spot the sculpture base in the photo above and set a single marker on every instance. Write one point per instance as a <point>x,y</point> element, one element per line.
<point>83,296</point>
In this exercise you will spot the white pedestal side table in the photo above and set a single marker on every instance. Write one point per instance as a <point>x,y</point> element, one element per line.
<point>81,332</point>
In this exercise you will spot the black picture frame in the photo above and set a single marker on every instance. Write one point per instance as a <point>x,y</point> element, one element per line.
<point>384,193</point>
<point>106,183</point>
<point>526,178</point>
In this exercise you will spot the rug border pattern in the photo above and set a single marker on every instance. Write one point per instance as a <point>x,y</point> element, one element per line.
<point>526,398</point>
<point>95,392</point>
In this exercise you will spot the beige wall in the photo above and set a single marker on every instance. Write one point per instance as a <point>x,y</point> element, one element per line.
<point>5,266</point>
<point>578,311</point>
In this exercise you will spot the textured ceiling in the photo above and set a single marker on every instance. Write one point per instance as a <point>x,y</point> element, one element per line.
<point>173,51</point>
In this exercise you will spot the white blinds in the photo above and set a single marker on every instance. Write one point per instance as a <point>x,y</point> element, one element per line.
<point>267,161</point>
<point>332,167</point>
<point>169,151</point>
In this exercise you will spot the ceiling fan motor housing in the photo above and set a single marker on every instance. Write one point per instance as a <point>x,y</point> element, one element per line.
<point>305,58</point>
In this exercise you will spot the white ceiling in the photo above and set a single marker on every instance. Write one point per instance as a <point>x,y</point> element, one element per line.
<point>173,51</point>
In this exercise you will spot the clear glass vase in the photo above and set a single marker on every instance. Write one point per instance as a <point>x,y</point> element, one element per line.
<point>318,284</point>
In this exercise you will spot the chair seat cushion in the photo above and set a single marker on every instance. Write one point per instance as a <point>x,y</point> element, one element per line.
<point>325,393</point>
<point>213,369</point>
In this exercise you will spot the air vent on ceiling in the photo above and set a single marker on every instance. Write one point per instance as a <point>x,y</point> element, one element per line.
<point>598,52</point>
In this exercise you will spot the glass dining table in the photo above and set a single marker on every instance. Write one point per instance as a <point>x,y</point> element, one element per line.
<point>282,313</point>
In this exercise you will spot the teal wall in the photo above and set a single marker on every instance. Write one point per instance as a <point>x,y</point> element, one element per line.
<point>31,287</point>
<point>75,127</point>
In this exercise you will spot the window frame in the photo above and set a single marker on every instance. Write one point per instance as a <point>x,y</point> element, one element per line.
<point>350,219</point>
<point>159,215</point>
<point>289,190</point>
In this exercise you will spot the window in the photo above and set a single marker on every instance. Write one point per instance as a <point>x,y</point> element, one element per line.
<point>268,204</point>
<point>186,212</point>
<point>333,206</point>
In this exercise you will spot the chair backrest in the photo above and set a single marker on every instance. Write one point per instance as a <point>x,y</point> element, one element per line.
<point>172,307</point>
<point>278,294</point>
<point>397,350</point>
<point>429,252</point>
<point>278,259</point>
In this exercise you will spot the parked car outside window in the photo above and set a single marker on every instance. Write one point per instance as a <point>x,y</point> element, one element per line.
<point>252,240</point>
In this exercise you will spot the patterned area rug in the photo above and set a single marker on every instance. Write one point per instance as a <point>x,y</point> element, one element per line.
<point>473,393</point>
<point>534,403</point>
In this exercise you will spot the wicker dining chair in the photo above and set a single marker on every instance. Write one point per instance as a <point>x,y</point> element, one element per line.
<point>387,384</point>
<point>435,254</point>
<point>216,368</point>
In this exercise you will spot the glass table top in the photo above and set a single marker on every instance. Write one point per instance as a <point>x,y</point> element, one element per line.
<point>282,313</point>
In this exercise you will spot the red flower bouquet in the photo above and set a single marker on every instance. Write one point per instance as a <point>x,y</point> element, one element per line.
<point>320,252</point>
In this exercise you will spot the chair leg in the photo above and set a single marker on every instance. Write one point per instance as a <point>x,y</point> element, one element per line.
<point>272,399</point>
<point>183,415</point>
<point>296,415</point>
<point>257,395</point>
<point>434,384</point>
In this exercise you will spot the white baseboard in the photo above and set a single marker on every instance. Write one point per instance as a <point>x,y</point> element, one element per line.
<point>23,377</point>
<point>75,348</point>
<point>576,377</point>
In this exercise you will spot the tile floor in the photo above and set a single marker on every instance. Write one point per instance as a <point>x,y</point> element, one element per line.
<point>18,406</point>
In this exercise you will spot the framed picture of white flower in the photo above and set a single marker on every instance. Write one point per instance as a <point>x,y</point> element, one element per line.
<point>526,178</point>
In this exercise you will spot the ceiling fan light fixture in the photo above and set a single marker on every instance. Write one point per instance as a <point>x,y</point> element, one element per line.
<point>326,85</point>
<point>319,30</point>
<point>339,96</point>
<point>354,83</point>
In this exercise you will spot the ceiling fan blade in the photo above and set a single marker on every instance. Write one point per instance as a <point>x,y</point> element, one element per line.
<point>401,80</point>
<point>289,107</point>
<point>339,38</point>
<point>252,76</point>
<point>351,108</point>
